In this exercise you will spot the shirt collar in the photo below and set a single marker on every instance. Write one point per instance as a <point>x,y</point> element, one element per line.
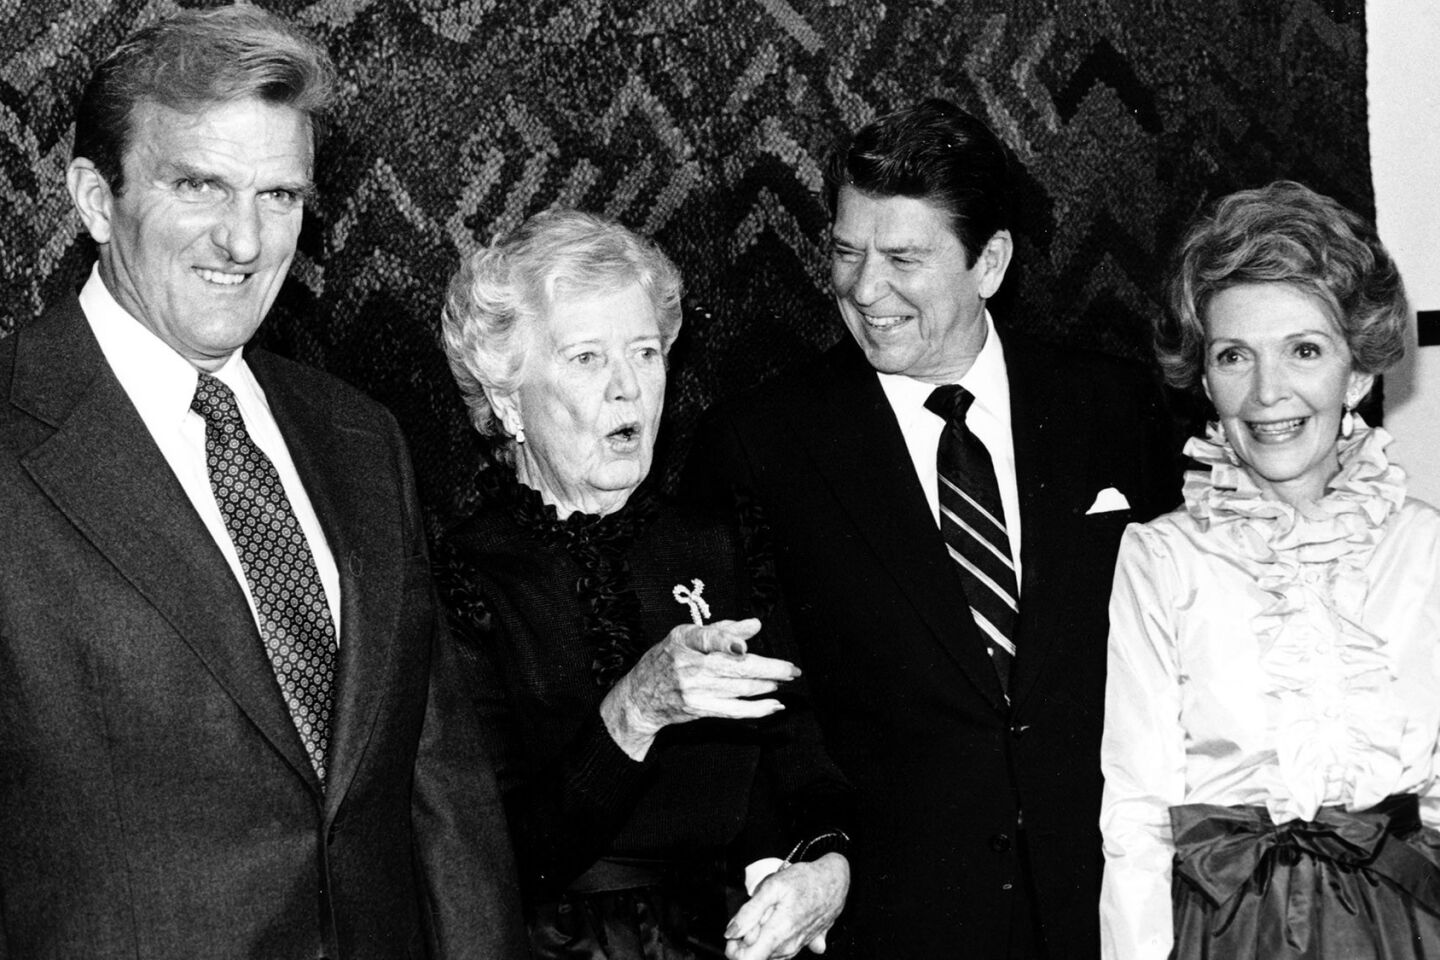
<point>159,381</point>
<point>987,379</point>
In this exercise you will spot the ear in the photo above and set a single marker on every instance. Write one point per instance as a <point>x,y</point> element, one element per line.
<point>507,409</point>
<point>993,260</point>
<point>91,196</point>
<point>1358,388</point>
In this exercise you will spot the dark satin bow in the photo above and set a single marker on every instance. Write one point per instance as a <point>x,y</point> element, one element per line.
<point>1219,848</point>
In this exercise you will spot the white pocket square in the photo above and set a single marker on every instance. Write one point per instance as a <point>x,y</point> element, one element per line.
<point>1108,500</point>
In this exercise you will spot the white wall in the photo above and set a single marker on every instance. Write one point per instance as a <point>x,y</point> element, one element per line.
<point>1404,75</point>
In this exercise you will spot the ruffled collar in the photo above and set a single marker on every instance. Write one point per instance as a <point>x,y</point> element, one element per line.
<point>618,527</point>
<point>1330,709</point>
<point>1358,500</point>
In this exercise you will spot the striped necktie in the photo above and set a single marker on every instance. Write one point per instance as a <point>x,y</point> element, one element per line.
<point>972,522</point>
<point>294,615</point>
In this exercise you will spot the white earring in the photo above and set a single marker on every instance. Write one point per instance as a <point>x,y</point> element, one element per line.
<point>1347,423</point>
<point>519,434</point>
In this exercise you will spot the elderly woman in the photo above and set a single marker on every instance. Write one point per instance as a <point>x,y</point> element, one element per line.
<point>1272,712</point>
<point>628,657</point>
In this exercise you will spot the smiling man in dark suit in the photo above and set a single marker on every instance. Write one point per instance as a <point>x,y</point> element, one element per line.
<point>946,502</point>
<point>223,713</point>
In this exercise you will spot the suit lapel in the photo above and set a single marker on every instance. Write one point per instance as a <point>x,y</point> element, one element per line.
<point>875,484</point>
<point>344,466</point>
<point>103,470</point>
<point>1039,448</point>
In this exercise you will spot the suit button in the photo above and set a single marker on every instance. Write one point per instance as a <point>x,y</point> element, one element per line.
<point>1017,730</point>
<point>1000,842</point>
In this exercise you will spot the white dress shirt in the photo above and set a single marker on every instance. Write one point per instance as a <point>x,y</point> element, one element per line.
<point>161,384</point>
<point>988,419</point>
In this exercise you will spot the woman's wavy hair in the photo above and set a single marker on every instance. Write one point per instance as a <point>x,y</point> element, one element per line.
<point>1283,233</point>
<point>501,292</point>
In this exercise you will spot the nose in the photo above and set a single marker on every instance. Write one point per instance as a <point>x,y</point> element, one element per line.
<point>1271,384</point>
<point>870,281</point>
<point>624,384</point>
<point>238,231</point>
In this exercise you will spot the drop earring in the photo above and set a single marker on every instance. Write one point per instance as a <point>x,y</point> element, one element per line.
<point>520,434</point>
<point>1347,423</point>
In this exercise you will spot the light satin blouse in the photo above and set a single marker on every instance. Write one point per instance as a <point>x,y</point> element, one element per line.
<point>1262,657</point>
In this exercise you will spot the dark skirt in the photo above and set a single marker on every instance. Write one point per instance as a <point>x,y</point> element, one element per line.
<point>637,910</point>
<point>1344,886</point>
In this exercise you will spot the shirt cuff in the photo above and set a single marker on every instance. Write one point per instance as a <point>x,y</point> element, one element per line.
<point>759,870</point>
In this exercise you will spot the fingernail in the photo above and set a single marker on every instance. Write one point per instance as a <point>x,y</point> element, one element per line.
<point>737,648</point>
<point>729,932</point>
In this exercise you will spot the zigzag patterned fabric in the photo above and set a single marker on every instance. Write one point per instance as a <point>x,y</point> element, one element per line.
<point>704,123</point>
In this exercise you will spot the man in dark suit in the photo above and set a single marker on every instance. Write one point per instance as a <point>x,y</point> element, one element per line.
<point>947,553</point>
<point>225,723</point>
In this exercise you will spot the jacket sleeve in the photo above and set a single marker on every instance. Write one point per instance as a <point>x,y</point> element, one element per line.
<point>1142,753</point>
<point>814,803</point>
<point>465,863</point>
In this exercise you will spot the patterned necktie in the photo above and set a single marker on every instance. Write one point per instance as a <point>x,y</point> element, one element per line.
<point>295,620</point>
<point>972,522</point>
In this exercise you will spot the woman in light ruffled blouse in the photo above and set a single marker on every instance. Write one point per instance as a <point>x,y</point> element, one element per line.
<point>1273,702</point>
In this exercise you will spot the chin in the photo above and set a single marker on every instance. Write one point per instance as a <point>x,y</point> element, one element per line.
<point>620,478</point>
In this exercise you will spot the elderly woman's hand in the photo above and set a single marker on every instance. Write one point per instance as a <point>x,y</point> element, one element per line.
<point>792,908</point>
<point>696,671</point>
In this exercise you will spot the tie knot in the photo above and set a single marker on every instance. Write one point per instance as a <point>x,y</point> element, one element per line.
<point>214,401</point>
<point>950,402</point>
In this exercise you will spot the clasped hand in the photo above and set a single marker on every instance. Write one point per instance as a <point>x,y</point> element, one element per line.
<point>791,909</point>
<point>696,671</point>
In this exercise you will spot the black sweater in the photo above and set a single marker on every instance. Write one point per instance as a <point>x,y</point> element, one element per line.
<point>548,614</point>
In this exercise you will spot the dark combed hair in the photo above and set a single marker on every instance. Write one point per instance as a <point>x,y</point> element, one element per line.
<point>933,151</point>
<point>192,60</point>
<point>1284,233</point>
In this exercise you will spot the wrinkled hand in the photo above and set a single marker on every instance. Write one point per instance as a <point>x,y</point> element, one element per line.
<point>696,671</point>
<point>794,907</point>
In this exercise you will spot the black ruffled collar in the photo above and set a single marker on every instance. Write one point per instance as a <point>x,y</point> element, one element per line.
<point>599,545</point>
<point>620,527</point>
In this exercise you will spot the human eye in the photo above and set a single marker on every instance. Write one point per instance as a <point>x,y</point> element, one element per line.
<point>1308,350</point>
<point>1226,356</point>
<point>284,198</point>
<point>196,188</point>
<point>585,358</point>
<point>648,351</point>
<point>843,252</point>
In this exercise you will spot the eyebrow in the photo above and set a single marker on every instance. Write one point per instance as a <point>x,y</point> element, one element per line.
<point>1298,335</point>
<point>305,189</point>
<point>898,249</point>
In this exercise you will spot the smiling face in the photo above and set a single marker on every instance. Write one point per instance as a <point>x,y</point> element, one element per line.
<point>198,242</point>
<point>898,273</point>
<point>1279,372</point>
<point>589,401</point>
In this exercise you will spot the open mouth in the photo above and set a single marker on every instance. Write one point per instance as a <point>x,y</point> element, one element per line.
<point>883,323</point>
<point>1276,431</point>
<point>625,433</point>
<point>220,278</point>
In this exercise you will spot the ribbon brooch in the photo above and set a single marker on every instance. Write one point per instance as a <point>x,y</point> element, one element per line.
<point>691,597</point>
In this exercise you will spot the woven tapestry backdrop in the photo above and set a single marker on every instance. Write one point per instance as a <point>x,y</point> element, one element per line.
<point>704,123</point>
